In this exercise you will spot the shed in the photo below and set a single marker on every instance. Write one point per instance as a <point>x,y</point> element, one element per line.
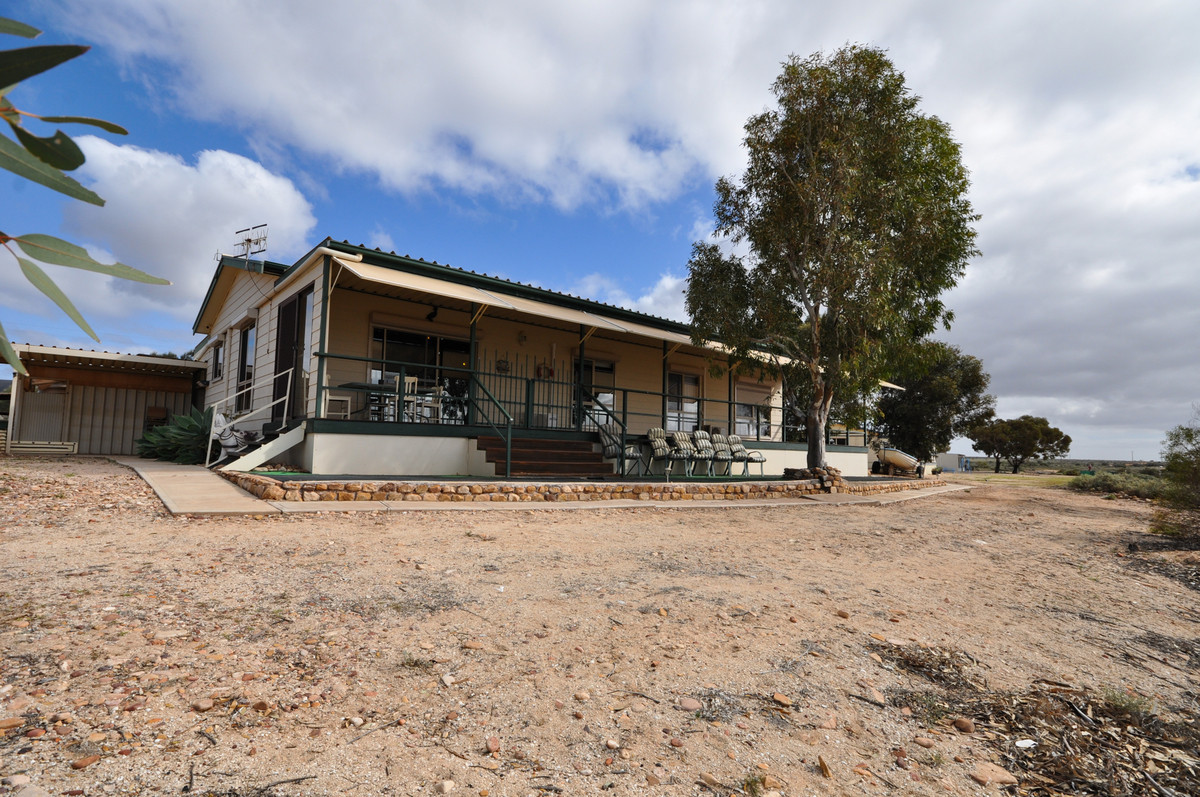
<point>89,402</point>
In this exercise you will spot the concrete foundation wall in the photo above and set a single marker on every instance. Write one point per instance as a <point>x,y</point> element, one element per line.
<point>384,454</point>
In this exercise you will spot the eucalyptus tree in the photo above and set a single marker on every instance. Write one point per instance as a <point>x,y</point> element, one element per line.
<point>45,160</point>
<point>852,218</point>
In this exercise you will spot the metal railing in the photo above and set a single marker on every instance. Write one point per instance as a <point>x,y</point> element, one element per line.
<point>530,402</point>
<point>244,416</point>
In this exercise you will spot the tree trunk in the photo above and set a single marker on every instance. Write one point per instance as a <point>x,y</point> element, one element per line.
<point>997,464</point>
<point>818,418</point>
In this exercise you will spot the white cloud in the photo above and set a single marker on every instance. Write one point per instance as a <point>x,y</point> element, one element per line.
<point>664,299</point>
<point>170,217</point>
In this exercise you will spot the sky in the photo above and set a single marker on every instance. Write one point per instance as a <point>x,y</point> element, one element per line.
<point>575,146</point>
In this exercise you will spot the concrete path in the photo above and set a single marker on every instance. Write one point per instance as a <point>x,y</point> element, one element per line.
<point>194,490</point>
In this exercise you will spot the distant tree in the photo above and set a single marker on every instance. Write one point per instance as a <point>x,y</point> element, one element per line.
<point>44,160</point>
<point>855,212</point>
<point>1020,440</point>
<point>1181,455</point>
<point>944,396</point>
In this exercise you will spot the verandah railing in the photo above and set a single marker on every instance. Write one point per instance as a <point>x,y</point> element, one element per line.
<point>409,392</point>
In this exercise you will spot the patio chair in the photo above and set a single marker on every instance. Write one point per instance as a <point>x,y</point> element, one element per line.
<point>662,451</point>
<point>722,453</point>
<point>683,448</point>
<point>610,438</point>
<point>745,455</point>
<point>706,451</point>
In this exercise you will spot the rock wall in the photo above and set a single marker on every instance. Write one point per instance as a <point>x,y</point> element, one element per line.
<point>270,489</point>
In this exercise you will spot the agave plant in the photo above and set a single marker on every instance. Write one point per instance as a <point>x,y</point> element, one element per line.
<point>185,440</point>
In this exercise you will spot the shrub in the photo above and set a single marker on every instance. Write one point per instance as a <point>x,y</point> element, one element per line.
<point>184,440</point>
<point>1130,484</point>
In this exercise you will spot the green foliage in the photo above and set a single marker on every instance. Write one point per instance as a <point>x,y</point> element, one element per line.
<point>185,440</point>
<point>854,208</point>
<point>1131,484</point>
<point>1181,453</point>
<point>1019,440</point>
<point>944,396</point>
<point>43,159</point>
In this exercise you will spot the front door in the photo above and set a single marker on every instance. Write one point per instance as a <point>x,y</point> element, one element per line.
<point>293,347</point>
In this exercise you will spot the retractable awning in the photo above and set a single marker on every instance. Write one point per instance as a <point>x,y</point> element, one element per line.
<point>453,290</point>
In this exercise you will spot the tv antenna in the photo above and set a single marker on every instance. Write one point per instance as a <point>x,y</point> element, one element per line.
<point>252,241</point>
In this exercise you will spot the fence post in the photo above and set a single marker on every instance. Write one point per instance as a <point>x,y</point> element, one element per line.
<point>529,387</point>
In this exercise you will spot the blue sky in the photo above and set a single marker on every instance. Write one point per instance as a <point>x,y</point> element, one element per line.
<point>575,146</point>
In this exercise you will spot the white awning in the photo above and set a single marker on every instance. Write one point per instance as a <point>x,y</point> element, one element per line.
<point>453,290</point>
<point>416,282</point>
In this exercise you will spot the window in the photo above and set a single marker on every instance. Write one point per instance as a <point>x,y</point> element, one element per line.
<point>245,368</point>
<point>683,402</point>
<point>599,380</point>
<point>218,361</point>
<point>440,365</point>
<point>752,413</point>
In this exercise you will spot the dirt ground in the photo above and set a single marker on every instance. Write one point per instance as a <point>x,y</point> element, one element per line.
<point>795,649</point>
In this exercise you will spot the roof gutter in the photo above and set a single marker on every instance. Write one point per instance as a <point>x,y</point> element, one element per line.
<point>309,259</point>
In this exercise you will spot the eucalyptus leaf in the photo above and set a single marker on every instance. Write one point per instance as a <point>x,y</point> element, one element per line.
<point>86,120</point>
<point>8,112</point>
<point>17,28</point>
<point>9,355</point>
<point>15,159</point>
<point>49,249</point>
<point>57,150</point>
<point>25,62</point>
<point>41,280</point>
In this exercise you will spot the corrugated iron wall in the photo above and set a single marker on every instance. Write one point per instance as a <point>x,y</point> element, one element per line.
<point>108,420</point>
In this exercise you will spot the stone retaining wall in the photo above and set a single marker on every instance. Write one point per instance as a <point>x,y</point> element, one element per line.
<point>270,489</point>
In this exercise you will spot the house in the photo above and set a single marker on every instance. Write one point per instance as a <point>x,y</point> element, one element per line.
<point>89,402</point>
<point>372,363</point>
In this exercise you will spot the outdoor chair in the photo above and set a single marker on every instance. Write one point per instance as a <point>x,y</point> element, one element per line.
<point>745,455</point>
<point>610,438</point>
<point>683,448</point>
<point>706,450</point>
<point>722,453</point>
<point>662,451</point>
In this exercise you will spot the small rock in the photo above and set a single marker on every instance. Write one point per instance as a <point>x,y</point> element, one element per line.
<point>987,773</point>
<point>448,680</point>
<point>842,613</point>
<point>709,780</point>
<point>771,782</point>
<point>612,744</point>
<point>11,722</point>
<point>473,645</point>
<point>493,744</point>
<point>652,780</point>
<point>965,724</point>
<point>203,704</point>
<point>676,741</point>
<point>829,724</point>
<point>357,722</point>
<point>445,787</point>
<point>83,763</point>
<point>690,704</point>
<point>781,699</point>
<point>582,696</point>
<point>35,733</point>
<point>15,780</point>
<point>924,742</point>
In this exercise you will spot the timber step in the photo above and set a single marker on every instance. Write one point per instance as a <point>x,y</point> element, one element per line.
<point>540,457</point>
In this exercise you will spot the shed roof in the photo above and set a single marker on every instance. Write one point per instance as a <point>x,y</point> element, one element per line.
<point>106,360</point>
